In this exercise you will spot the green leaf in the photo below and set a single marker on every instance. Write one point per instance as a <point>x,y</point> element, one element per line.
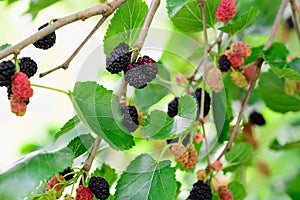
<point>36,6</point>
<point>187,15</point>
<point>27,173</point>
<point>67,127</point>
<point>272,91</point>
<point>276,55</point>
<point>222,114</point>
<point>237,189</point>
<point>286,73</point>
<point>146,179</point>
<point>243,22</point>
<point>291,145</point>
<point>126,25</point>
<point>239,153</point>
<point>158,125</point>
<point>81,144</point>
<point>155,90</point>
<point>99,109</point>
<point>106,172</point>
<point>293,188</point>
<point>4,46</point>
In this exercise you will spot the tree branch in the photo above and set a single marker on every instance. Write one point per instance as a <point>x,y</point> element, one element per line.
<point>259,62</point>
<point>276,24</point>
<point>66,64</point>
<point>295,17</point>
<point>103,9</point>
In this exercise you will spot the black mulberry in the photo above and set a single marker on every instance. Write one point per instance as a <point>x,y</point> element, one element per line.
<point>224,63</point>
<point>46,42</point>
<point>200,191</point>
<point>100,187</point>
<point>173,107</point>
<point>130,114</point>
<point>28,66</point>
<point>118,59</point>
<point>68,171</point>
<point>207,100</point>
<point>7,70</point>
<point>257,118</point>
<point>139,73</point>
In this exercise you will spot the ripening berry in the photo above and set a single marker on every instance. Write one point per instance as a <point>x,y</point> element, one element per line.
<point>198,137</point>
<point>179,79</point>
<point>224,193</point>
<point>213,78</point>
<point>217,165</point>
<point>241,48</point>
<point>201,174</point>
<point>84,193</point>
<point>17,105</point>
<point>225,11</point>
<point>21,86</point>
<point>235,59</point>
<point>53,183</point>
<point>249,72</point>
<point>180,152</point>
<point>239,79</point>
<point>192,157</point>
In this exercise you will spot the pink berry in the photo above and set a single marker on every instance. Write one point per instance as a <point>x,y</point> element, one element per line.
<point>226,10</point>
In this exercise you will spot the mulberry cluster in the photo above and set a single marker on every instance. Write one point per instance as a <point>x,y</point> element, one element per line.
<point>130,117</point>
<point>99,187</point>
<point>18,86</point>
<point>173,107</point>
<point>224,193</point>
<point>225,11</point>
<point>118,59</point>
<point>207,101</point>
<point>200,191</point>
<point>46,42</point>
<point>84,193</point>
<point>224,63</point>
<point>139,73</point>
<point>53,184</point>
<point>257,118</point>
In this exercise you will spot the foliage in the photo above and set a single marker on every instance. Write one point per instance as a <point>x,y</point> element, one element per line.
<point>163,157</point>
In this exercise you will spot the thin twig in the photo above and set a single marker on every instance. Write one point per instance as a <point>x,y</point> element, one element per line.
<point>207,48</point>
<point>218,41</point>
<point>192,77</point>
<point>276,24</point>
<point>259,62</point>
<point>244,104</point>
<point>141,40</point>
<point>103,9</point>
<point>295,17</point>
<point>88,162</point>
<point>66,64</point>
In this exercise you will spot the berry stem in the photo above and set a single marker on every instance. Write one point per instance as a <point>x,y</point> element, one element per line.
<point>51,88</point>
<point>66,64</point>
<point>17,65</point>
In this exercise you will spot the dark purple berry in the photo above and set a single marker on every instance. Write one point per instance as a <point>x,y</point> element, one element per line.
<point>257,118</point>
<point>224,63</point>
<point>7,70</point>
<point>200,191</point>
<point>100,187</point>
<point>46,42</point>
<point>130,114</point>
<point>28,66</point>
<point>173,107</point>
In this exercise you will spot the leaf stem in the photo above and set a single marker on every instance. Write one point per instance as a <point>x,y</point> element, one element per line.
<point>51,88</point>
